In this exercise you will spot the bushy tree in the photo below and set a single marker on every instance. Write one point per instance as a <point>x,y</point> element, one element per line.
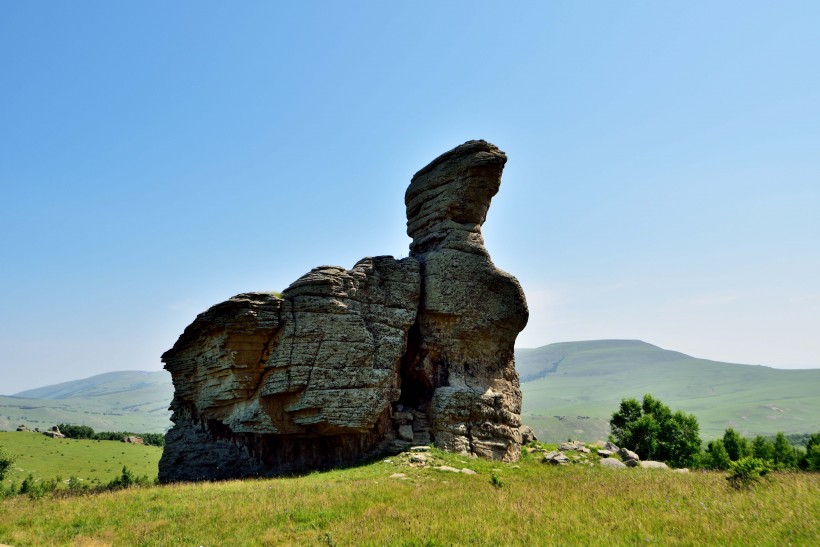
<point>736,446</point>
<point>811,460</point>
<point>763,448</point>
<point>654,432</point>
<point>716,456</point>
<point>785,456</point>
<point>76,431</point>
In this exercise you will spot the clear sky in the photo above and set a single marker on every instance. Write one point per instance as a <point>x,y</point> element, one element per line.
<point>156,158</point>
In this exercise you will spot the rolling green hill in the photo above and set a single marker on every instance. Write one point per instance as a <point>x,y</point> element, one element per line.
<point>116,401</point>
<point>571,389</point>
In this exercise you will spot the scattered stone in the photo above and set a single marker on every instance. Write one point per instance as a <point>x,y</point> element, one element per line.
<point>628,455</point>
<point>576,446</point>
<point>611,446</point>
<point>447,468</point>
<point>613,463</point>
<point>556,458</point>
<point>398,476</point>
<point>681,470</point>
<point>468,471</point>
<point>604,453</point>
<point>423,448</point>
<point>22,428</point>
<point>649,464</point>
<point>632,463</point>
<point>418,458</point>
<point>256,377</point>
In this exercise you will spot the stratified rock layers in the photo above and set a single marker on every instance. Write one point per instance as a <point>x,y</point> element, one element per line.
<point>350,364</point>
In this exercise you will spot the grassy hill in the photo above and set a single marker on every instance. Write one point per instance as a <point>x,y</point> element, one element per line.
<point>571,389</point>
<point>116,401</point>
<point>397,502</point>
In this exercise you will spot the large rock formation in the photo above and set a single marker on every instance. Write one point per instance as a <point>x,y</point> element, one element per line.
<point>350,364</point>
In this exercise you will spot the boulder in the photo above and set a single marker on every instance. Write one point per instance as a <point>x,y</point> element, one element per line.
<point>649,464</point>
<point>604,453</point>
<point>527,434</point>
<point>132,439</point>
<point>347,365</point>
<point>628,455</point>
<point>613,463</point>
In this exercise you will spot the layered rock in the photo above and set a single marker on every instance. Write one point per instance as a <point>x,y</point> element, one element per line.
<point>349,364</point>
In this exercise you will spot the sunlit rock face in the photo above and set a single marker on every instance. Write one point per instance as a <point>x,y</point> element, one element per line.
<point>351,364</point>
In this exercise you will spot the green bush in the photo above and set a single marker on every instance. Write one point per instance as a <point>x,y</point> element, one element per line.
<point>5,463</point>
<point>746,471</point>
<point>654,432</point>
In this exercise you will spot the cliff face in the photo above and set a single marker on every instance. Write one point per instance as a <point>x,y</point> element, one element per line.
<point>350,364</point>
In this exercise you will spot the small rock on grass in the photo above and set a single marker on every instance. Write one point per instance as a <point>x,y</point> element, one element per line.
<point>468,471</point>
<point>398,476</point>
<point>422,448</point>
<point>613,463</point>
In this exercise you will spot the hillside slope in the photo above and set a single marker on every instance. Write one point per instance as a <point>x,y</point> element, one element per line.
<point>572,388</point>
<point>116,401</point>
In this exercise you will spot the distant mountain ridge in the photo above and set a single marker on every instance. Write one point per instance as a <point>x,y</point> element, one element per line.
<point>570,390</point>
<point>134,401</point>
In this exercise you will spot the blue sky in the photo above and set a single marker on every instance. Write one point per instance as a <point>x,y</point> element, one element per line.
<point>156,158</point>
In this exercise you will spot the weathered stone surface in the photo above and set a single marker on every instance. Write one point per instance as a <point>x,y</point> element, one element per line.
<point>470,312</point>
<point>349,364</point>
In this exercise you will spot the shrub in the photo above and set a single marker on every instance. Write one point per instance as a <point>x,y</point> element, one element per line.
<point>652,430</point>
<point>746,471</point>
<point>127,479</point>
<point>5,463</point>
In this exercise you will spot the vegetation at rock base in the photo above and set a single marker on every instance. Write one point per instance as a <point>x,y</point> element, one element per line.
<point>538,504</point>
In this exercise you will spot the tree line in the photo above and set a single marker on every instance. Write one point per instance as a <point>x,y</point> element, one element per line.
<point>654,432</point>
<point>84,432</point>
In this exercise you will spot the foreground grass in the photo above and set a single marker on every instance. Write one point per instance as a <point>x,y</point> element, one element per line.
<point>536,504</point>
<point>95,462</point>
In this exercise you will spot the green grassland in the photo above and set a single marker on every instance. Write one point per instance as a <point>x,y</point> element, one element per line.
<point>116,401</point>
<point>530,503</point>
<point>583,383</point>
<point>94,462</point>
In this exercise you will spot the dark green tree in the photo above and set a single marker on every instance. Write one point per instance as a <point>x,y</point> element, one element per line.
<point>785,456</point>
<point>5,463</point>
<point>811,460</point>
<point>763,448</point>
<point>716,455</point>
<point>652,430</point>
<point>736,446</point>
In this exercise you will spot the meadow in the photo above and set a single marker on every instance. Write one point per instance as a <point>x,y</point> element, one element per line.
<point>395,502</point>
<point>93,462</point>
